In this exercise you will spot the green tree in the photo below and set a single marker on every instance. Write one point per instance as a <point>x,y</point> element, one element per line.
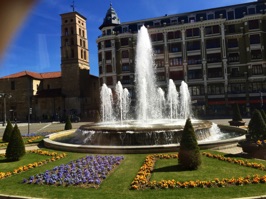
<point>263,114</point>
<point>257,126</point>
<point>236,113</point>
<point>189,154</point>
<point>8,132</point>
<point>15,148</point>
<point>68,124</point>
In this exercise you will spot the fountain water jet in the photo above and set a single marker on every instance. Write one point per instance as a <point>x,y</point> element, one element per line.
<point>150,131</point>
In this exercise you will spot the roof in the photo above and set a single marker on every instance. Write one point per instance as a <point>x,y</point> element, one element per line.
<point>48,75</point>
<point>111,18</point>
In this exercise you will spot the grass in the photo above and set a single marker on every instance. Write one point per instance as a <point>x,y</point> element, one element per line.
<point>117,185</point>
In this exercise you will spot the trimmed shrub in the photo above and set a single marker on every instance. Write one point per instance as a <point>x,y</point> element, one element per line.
<point>189,154</point>
<point>8,132</point>
<point>236,113</point>
<point>68,124</point>
<point>263,114</point>
<point>15,148</point>
<point>257,126</point>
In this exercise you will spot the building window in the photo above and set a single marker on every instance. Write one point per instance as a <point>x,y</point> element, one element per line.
<point>161,76</point>
<point>216,89</point>
<point>85,54</point>
<point>125,29</point>
<point>13,85</point>
<point>84,44</point>
<point>158,49</point>
<point>236,88</point>
<point>232,43</point>
<point>48,86</point>
<point>233,57</point>
<point>72,41</point>
<point>175,61</point>
<point>253,24</point>
<point>81,53</point>
<point>231,29</point>
<point>195,59</point>
<point>80,41</point>
<point>125,54</point>
<point>251,11</point>
<point>156,23</point>
<point>83,33</point>
<point>256,54</point>
<point>99,46</point>
<point>174,35</point>
<point>257,70</point>
<point>157,37</point>
<point>193,32</point>
<point>176,75</point>
<point>66,31</point>
<point>126,80</point>
<point>108,55</point>
<point>66,42</point>
<point>235,72</point>
<point>256,87</point>
<point>79,31</point>
<point>173,21</point>
<point>193,45</point>
<point>254,39</point>
<point>126,68</point>
<point>213,43</point>
<point>214,58</point>
<point>109,81</point>
<point>212,30</point>
<point>72,53</point>
<point>109,68</point>
<point>214,72</point>
<point>107,43</point>
<point>100,70</point>
<point>196,90</point>
<point>210,16</point>
<point>230,15</point>
<point>195,74</point>
<point>100,58</point>
<point>175,47</point>
<point>124,42</point>
<point>72,31</point>
<point>159,63</point>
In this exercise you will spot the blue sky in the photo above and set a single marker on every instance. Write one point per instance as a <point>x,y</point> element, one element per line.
<point>36,45</point>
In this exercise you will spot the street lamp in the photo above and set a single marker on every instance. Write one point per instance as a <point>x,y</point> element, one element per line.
<point>4,96</point>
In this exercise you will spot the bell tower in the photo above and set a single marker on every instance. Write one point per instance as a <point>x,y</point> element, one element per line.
<point>74,61</point>
<point>74,53</point>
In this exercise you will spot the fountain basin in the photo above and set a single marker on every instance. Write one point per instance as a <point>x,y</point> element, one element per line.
<point>50,142</point>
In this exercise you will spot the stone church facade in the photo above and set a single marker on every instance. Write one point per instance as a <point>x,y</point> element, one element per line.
<point>52,95</point>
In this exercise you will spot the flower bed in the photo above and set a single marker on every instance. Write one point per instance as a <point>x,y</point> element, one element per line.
<point>89,171</point>
<point>142,179</point>
<point>54,156</point>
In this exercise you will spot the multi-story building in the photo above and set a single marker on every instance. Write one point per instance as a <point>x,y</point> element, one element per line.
<point>219,52</point>
<point>47,96</point>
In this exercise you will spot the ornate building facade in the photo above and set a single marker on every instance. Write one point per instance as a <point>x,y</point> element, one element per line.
<point>219,52</point>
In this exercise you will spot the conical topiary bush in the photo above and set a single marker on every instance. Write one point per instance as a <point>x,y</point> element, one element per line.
<point>236,113</point>
<point>189,154</point>
<point>15,148</point>
<point>257,126</point>
<point>263,114</point>
<point>8,132</point>
<point>68,124</point>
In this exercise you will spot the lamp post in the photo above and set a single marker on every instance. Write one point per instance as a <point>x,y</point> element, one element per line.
<point>4,96</point>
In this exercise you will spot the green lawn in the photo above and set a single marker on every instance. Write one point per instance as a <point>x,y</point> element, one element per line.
<point>117,184</point>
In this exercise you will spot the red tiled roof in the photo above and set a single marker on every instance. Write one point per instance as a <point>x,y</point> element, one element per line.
<point>47,75</point>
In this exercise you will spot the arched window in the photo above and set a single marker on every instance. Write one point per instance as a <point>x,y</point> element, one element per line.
<point>83,33</point>
<point>72,30</point>
<point>72,53</point>
<point>80,41</point>
<point>66,31</point>
<point>79,31</point>
<point>85,55</point>
<point>81,53</point>
<point>84,44</point>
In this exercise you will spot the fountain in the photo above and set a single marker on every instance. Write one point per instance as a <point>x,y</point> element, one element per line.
<point>159,118</point>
